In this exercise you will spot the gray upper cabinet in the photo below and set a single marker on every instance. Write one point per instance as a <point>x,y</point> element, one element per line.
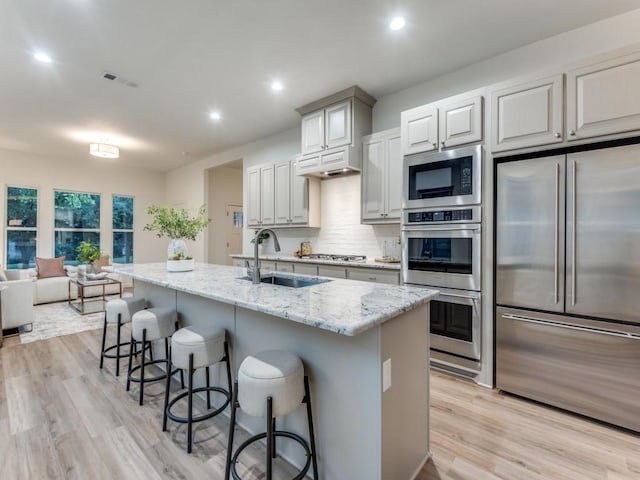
<point>419,129</point>
<point>260,200</point>
<point>382,177</point>
<point>296,197</point>
<point>441,125</point>
<point>461,122</point>
<point>527,114</point>
<point>604,98</point>
<point>327,128</point>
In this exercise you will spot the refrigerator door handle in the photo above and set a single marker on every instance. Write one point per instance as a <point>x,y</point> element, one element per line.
<point>570,327</point>
<point>557,236</point>
<point>573,232</point>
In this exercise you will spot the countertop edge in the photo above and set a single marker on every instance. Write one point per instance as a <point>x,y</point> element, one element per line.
<point>395,267</point>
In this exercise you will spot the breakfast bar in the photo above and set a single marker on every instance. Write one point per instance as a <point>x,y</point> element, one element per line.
<point>363,345</point>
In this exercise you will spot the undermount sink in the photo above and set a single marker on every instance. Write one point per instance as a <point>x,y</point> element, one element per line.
<point>290,281</point>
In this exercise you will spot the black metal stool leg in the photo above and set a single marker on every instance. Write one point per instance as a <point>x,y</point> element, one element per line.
<point>118,345</point>
<point>144,344</point>
<point>312,437</point>
<point>131,345</point>
<point>104,339</point>
<point>190,405</point>
<point>150,351</point>
<point>227,359</point>
<point>166,394</point>
<point>273,443</point>
<point>182,379</point>
<point>206,371</point>
<point>232,425</point>
<point>269,437</point>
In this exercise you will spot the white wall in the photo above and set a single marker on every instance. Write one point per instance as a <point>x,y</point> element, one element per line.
<point>225,187</point>
<point>104,176</point>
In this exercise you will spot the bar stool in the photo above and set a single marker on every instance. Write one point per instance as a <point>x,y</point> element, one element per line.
<point>271,384</point>
<point>147,326</point>
<point>119,311</point>
<point>196,347</point>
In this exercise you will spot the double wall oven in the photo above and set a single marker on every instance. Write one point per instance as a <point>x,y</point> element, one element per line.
<point>442,234</point>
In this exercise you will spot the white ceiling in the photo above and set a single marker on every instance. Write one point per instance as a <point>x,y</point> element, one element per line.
<point>191,57</point>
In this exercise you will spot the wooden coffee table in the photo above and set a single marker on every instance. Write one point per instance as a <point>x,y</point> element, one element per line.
<point>95,303</point>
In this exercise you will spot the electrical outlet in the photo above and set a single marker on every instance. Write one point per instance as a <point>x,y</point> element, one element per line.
<point>386,375</point>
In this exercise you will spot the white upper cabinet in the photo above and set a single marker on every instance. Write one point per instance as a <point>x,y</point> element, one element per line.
<point>461,122</point>
<point>253,197</point>
<point>327,128</point>
<point>604,98</point>
<point>284,199</point>
<point>382,177</point>
<point>419,130</point>
<point>313,132</point>
<point>260,199</point>
<point>527,114</point>
<point>338,131</point>
<point>267,201</point>
<point>441,125</point>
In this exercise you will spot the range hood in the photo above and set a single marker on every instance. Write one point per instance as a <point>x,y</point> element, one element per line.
<point>346,161</point>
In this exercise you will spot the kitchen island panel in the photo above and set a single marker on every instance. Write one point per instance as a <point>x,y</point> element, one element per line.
<point>345,382</point>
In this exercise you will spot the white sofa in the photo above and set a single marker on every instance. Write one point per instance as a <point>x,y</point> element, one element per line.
<point>58,289</point>
<point>17,305</point>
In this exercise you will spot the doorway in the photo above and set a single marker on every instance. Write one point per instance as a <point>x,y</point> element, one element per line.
<point>233,230</point>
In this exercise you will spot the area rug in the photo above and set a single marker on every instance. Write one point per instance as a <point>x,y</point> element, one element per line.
<point>56,319</point>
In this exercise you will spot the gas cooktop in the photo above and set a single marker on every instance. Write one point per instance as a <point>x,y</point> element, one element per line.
<point>336,258</point>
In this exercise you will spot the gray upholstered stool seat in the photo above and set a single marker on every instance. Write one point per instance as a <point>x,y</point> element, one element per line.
<point>271,384</point>
<point>276,374</point>
<point>206,344</point>
<point>196,347</point>
<point>118,311</point>
<point>146,326</point>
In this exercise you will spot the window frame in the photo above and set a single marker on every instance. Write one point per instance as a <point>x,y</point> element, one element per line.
<point>123,230</point>
<point>82,230</point>
<point>8,228</point>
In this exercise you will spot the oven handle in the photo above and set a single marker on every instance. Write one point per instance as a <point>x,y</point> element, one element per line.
<point>442,228</point>
<point>474,298</point>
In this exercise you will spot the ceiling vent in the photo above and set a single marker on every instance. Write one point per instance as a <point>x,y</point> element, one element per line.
<point>116,78</point>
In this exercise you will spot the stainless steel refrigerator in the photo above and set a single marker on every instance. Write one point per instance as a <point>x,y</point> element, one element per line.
<point>568,282</point>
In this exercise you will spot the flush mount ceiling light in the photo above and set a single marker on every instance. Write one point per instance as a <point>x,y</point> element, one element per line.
<point>42,57</point>
<point>397,23</point>
<point>215,116</point>
<point>276,86</point>
<point>103,150</point>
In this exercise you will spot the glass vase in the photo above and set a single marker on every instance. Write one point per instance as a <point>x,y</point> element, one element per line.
<point>177,249</point>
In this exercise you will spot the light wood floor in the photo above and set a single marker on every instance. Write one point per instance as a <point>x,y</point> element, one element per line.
<point>63,418</point>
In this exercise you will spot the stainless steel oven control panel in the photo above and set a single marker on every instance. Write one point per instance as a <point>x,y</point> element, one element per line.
<point>435,216</point>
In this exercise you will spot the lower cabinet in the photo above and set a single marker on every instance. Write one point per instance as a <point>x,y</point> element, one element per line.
<point>333,271</point>
<point>374,275</point>
<point>305,269</point>
<point>284,267</point>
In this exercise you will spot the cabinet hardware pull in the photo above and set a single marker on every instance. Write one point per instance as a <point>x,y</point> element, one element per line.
<point>557,135</point>
<point>572,133</point>
<point>442,143</point>
<point>435,145</point>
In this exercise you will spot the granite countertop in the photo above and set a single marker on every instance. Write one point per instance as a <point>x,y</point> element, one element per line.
<point>290,258</point>
<point>346,307</point>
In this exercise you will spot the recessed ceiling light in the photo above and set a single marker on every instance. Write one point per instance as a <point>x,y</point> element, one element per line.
<point>42,57</point>
<point>215,116</point>
<point>276,86</point>
<point>397,23</point>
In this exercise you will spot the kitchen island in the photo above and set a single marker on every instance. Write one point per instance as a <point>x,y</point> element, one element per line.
<point>369,424</point>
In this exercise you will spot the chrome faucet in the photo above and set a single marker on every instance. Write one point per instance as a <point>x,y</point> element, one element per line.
<point>254,272</point>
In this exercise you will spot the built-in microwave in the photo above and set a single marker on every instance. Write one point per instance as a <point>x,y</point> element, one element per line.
<point>449,178</point>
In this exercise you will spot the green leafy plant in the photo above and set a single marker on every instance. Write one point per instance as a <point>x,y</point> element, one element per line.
<point>263,237</point>
<point>176,222</point>
<point>87,252</point>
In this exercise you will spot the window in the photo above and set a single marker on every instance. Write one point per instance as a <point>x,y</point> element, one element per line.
<point>22,227</point>
<point>122,229</point>
<point>77,219</point>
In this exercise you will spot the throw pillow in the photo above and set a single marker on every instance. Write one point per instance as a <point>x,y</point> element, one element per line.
<point>50,267</point>
<point>103,261</point>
